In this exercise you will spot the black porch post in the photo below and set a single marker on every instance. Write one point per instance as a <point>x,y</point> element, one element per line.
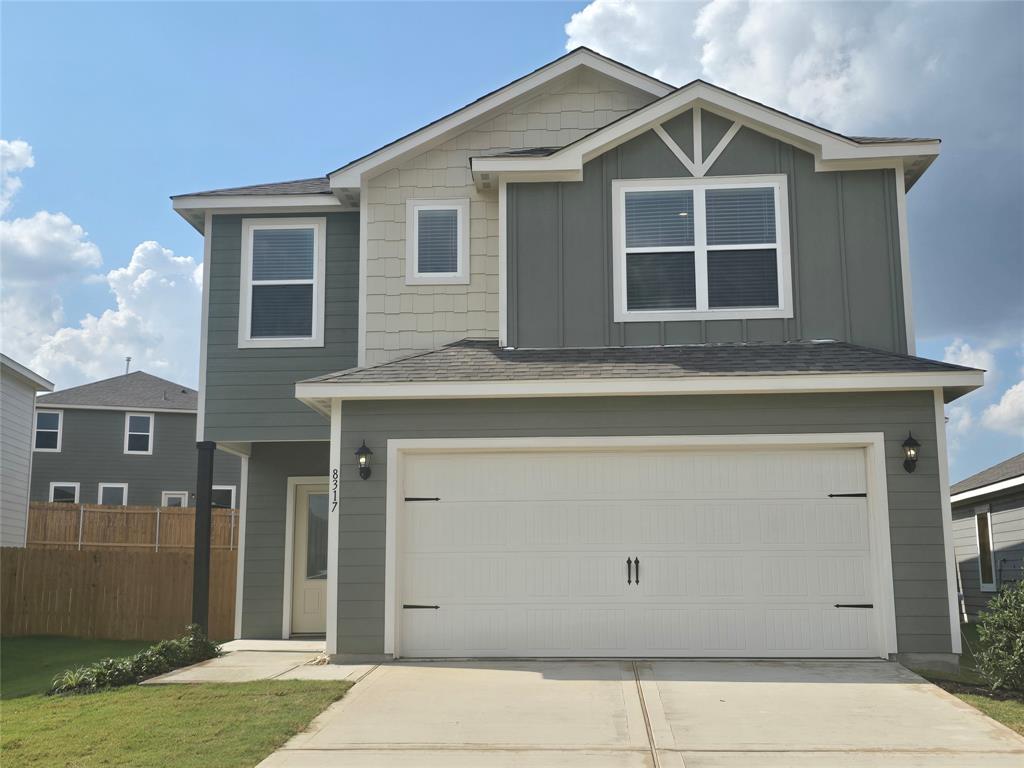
<point>201,561</point>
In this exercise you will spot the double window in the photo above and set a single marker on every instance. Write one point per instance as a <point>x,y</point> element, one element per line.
<point>437,242</point>
<point>281,300</point>
<point>701,249</point>
<point>138,433</point>
<point>48,430</point>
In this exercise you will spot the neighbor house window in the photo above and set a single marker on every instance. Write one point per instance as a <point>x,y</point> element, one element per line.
<point>223,496</point>
<point>437,242</point>
<point>138,433</point>
<point>986,557</point>
<point>698,249</point>
<point>49,426</point>
<point>282,283</point>
<point>174,499</point>
<point>66,493</point>
<point>115,494</point>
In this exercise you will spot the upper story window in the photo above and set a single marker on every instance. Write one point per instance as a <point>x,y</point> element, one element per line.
<point>281,299</point>
<point>437,242</point>
<point>701,249</point>
<point>138,433</point>
<point>48,431</point>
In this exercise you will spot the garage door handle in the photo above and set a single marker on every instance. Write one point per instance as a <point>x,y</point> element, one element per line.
<point>636,562</point>
<point>629,570</point>
<point>854,605</point>
<point>434,607</point>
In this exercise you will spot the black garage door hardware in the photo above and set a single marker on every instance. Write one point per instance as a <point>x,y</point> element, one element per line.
<point>854,605</point>
<point>434,607</point>
<point>422,498</point>
<point>847,495</point>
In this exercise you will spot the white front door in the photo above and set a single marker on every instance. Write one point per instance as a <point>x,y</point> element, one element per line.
<point>309,564</point>
<point>637,553</point>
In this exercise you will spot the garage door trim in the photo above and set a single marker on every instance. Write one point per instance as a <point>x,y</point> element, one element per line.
<point>873,444</point>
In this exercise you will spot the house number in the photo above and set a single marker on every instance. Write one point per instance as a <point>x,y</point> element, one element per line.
<point>334,490</point>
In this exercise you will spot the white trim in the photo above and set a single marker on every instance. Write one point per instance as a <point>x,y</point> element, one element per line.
<point>678,151</point>
<point>952,593</point>
<point>984,490</point>
<point>778,182</point>
<point>413,276</point>
<point>26,373</point>
<point>316,338</point>
<point>231,488</point>
<point>76,486</point>
<point>152,432</point>
<point>333,529</point>
<point>119,408</point>
<point>698,138</point>
<point>695,385</point>
<point>502,263</point>
<point>204,326</point>
<point>101,486</point>
<point>720,147</point>
<point>878,508</point>
<point>240,561</point>
<point>986,585</point>
<point>364,218</point>
<point>904,235</point>
<point>60,429</point>
<point>242,203</point>
<point>165,496</point>
<point>293,485</point>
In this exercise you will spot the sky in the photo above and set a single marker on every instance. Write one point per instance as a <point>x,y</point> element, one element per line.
<point>107,109</point>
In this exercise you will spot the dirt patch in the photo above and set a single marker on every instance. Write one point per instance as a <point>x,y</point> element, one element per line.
<point>979,690</point>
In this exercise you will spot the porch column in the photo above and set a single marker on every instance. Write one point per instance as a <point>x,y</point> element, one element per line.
<point>201,549</point>
<point>333,528</point>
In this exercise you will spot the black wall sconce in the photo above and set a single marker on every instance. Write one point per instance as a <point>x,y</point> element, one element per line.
<point>363,455</point>
<point>910,446</point>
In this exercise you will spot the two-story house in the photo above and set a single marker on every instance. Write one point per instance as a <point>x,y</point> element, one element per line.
<point>593,366</point>
<point>126,440</point>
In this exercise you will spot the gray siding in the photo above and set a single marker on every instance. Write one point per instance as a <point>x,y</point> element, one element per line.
<point>918,554</point>
<point>270,466</point>
<point>17,397</point>
<point>844,244</point>
<point>250,393</point>
<point>1007,519</point>
<point>92,452</point>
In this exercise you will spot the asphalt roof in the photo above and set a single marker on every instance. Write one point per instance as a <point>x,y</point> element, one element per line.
<point>133,390</point>
<point>484,360</point>
<point>317,186</point>
<point>1004,470</point>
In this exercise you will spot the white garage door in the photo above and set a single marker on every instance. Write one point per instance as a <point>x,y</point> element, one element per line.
<point>635,553</point>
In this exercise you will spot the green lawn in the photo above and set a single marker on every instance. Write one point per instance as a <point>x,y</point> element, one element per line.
<point>188,726</point>
<point>28,664</point>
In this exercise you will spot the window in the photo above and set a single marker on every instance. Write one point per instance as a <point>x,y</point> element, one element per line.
<point>174,499</point>
<point>223,497</point>
<point>700,249</point>
<point>48,432</point>
<point>115,494</point>
<point>986,559</point>
<point>64,493</point>
<point>138,433</point>
<point>437,242</point>
<point>281,300</point>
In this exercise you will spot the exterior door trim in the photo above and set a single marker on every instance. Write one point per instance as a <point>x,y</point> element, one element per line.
<point>873,444</point>
<point>289,546</point>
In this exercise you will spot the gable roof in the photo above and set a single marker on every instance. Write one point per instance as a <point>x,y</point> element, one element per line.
<point>134,390</point>
<point>34,379</point>
<point>1009,469</point>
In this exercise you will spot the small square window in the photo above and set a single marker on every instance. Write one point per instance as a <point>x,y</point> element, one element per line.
<point>113,494</point>
<point>48,430</point>
<point>223,497</point>
<point>64,493</point>
<point>138,433</point>
<point>174,499</point>
<point>437,242</point>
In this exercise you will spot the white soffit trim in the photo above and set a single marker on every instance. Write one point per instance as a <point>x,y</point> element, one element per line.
<point>351,175</point>
<point>984,490</point>
<point>118,408</point>
<point>231,203</point>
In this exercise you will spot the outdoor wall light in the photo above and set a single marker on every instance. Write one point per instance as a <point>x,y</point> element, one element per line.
<point>363,455</point>
<point>910,446</point>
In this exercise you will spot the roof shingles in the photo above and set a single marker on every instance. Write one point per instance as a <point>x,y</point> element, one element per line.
<point>1004,470</point>
<point>133,390</point>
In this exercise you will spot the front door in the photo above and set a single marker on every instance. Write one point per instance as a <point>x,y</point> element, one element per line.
<point>309,565</point>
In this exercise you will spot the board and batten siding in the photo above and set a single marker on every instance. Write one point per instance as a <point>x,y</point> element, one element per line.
<point>250,393</point>
<point>844,245</point>
<point>1007,521</point>
<point>92,452</point>
<point>17,401</point>
<point>918,553</point>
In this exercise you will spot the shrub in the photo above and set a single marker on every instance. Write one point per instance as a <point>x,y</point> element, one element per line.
<point>190,648</point>
<point>1000,660</point>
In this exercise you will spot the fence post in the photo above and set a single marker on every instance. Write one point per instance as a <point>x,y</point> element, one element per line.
<point>81,515</point>
<point>157,529</point>
<point>231,534</point>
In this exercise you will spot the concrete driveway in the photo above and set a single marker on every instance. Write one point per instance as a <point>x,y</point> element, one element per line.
<point>661,714</point>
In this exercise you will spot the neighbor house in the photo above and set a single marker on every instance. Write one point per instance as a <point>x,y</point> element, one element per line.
<point>988,531</point>
<point>18,387</point>
<point>593,366</point>
<point>127,440</point>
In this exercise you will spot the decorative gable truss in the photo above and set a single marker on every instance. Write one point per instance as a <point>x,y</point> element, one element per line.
<point>700,164</point>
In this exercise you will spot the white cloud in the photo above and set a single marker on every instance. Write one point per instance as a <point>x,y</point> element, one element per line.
<point>1008,414</point>
<point>962,353</point>
<point>43,246</point>
<point>15,157</point>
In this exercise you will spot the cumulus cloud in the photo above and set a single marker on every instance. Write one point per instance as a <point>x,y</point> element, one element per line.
<point>15,157</point>
<point>1008,414</point>
<point>962,353</point>
<point>44,245</point>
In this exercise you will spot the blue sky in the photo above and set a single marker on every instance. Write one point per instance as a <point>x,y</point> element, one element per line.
<point>121,105</point>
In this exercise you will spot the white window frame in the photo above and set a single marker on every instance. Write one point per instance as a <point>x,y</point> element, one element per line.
<point>231,488</point>
<point>76,486</point>
<point>101,486</point>
<point>60,430</point>
<point>249,226</point>
<point>412,274</point>
<point>152,432</point>
<point>166,496</point>
<point>993,584</point>
<point>700,248</point>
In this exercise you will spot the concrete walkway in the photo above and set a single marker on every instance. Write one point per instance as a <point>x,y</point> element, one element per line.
<point>662,714</point>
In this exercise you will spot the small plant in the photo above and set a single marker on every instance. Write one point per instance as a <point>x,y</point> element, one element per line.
<point>1000,658</point>
<point>190,648</point>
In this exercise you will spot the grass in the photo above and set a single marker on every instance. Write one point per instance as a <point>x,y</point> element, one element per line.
<point>28,664</point>
<point>188,726</point>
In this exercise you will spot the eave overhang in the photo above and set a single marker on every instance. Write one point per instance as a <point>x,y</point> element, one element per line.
<point>193,208</point>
